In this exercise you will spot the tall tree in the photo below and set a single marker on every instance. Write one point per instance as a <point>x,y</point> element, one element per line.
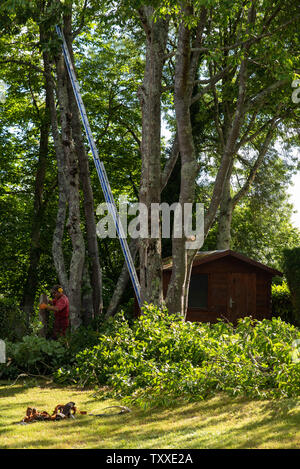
<point>156,33</point>
<point>40,202</point>
<point>252,25</point>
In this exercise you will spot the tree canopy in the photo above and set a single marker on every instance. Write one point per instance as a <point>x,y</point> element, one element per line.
<point>217,76</point>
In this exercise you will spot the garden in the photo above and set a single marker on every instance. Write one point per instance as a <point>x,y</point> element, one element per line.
<point>188,385</point>
<point>140,142</point>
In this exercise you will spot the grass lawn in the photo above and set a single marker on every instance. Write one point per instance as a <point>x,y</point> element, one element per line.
<point>220,422</point>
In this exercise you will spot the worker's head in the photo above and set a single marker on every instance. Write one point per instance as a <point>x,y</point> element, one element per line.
<point>56,291</point>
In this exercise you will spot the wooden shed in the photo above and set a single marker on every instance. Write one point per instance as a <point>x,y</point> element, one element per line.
<point>226,284</point>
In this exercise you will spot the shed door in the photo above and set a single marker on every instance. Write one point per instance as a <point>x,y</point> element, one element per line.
<point>241,295</point>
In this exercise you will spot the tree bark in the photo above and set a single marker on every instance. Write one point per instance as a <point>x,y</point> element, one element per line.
<point>122,282</point>
<point>185,72</point>
<point>229,202</point>
<point>31,283</point>
<point>72,179</point>
<point>57,250</point>
<point>225,218</point>
<point>150,187</point>
<point>44,317</point>
<point>88,197</point>
<point>68,179</point>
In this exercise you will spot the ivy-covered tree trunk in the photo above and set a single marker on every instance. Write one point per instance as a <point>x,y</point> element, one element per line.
<point>87,297</point>
<point>73,168</point>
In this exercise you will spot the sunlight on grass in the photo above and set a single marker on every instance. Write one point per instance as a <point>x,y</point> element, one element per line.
<point>221,422</point>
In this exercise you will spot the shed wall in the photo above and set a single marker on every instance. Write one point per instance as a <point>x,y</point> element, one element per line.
<point>255,285</point>
<point>248,287</point>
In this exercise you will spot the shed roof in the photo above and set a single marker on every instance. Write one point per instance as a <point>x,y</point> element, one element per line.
<point>203,257</point>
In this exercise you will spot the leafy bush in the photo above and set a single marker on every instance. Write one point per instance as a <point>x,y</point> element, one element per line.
<point>282,305</point>
<point>34,355</point>
<point>83,337</point>
<point>162,357</point>
<point>40,356</point>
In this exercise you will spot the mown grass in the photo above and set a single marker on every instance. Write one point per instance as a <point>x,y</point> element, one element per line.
<point>220,422</point>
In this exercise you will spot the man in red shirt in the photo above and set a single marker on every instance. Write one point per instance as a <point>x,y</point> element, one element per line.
<point>60,306</point>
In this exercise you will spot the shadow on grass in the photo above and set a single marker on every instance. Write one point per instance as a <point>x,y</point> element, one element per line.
<point>218,422</point>
<point>6,390</point>
<point>222,425</point>
<point>267,433</point>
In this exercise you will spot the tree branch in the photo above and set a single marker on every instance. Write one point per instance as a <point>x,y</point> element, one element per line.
<point>24,63</point>
<point>256,165</point>
<point>81,24</point>
<point>258,99</point>
<point>212,82</point>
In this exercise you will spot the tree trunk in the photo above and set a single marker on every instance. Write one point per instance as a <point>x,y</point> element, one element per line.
<point>44,317</point>
<point>88,198</point>
<point>124,276</point>
<point>122,282</point>
<point>225,218</point>
<point>150,187</point>
<point>185,71</point>
<point>27,303</point>
<point>72,178</point>
<point>87,296</point>
<point>229,202</point>
<point>57,250</point>
<point>68,179</point>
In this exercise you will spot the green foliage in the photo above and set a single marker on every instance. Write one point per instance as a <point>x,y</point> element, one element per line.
<point>39,356</point>
<point>11,314</point>
<point>161,357</point>
<point>282,305</point>
<point>82,338</point>
<point>292,272</point>
<point>110,58</point>
<point>262,228</point>
<point>34,355</point>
